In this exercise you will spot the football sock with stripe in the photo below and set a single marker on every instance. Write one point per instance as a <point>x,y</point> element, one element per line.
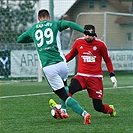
<point>107,109</point>
<point>74,105</point>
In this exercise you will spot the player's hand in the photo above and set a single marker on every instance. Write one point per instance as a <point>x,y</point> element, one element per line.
<point>114,81</point>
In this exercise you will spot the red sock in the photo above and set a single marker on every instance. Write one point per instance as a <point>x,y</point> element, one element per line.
<point>69,94</point>
<point>107,109</point>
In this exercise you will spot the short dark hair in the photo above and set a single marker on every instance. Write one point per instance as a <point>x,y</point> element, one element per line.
<point>88,27</point>
<point>91,27</point>
<point>43,13</point>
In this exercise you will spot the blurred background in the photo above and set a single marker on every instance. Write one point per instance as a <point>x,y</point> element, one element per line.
<point>113,20</point>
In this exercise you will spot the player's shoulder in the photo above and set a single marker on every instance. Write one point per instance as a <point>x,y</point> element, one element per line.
<point>35,26</point>
<point>31,29</point>
<point>80,39</point>
<point>62,21</point>
<point>99,41</point>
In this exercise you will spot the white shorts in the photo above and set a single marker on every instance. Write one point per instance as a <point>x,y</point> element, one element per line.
<point>56,74</point>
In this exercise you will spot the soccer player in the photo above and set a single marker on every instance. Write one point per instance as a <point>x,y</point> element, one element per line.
<point>91,51</point>
<point>46,37</point>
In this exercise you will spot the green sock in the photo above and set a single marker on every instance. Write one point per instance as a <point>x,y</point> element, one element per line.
<point>74,105</point>
<point>63,105</point>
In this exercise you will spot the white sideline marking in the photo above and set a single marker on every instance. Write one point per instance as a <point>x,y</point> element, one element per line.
<point>26,95</point>
<point>47,93</point>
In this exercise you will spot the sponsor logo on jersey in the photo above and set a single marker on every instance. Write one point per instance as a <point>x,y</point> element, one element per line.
<point>88,57</point>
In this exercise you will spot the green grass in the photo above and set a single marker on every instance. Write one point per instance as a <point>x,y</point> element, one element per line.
<point>31,114</point>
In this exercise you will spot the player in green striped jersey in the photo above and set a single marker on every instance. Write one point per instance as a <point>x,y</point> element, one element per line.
<point>46,37</point>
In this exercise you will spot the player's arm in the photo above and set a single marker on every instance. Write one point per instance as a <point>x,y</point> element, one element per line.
<point>106,57</point>
<point>73,52</point>
<point>109,65</point>
<point>64,24</point>
<point>25,38</point>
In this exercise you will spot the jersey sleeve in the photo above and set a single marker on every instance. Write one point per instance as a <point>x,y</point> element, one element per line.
<point>25,37</point>
<point>107,59</point>
<point>73,52</point>
<point>64,24</point>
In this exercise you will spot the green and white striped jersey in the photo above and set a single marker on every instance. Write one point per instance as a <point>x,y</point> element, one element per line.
<point>46,37</point>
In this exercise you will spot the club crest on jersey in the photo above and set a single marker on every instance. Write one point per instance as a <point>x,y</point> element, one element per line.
<point>94,48</point>
<point>88,57</point>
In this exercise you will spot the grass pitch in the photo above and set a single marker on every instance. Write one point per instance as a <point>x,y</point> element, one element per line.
<point>24,109</point>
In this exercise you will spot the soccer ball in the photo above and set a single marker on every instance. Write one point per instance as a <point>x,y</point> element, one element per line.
<point>56,111</point>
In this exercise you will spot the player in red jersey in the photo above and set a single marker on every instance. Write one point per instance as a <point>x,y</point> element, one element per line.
<point>91,51</point>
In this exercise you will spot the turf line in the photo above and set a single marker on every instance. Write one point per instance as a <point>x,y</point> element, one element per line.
<point>47,93</point>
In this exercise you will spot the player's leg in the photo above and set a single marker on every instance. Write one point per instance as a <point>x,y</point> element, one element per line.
<point>73,104</point>
<point>63,72</point>
<point>96,93</point>
<point>52,103</point>
<point>104,108</point>
<point>54,75</point>
<point>73,88</point>
<point>63,105</point>
<point>100,107</point>
<point>75,85</point>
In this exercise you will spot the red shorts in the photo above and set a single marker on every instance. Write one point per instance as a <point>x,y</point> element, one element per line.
<point>93,85</point>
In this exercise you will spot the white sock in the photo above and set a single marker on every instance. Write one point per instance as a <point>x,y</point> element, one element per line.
<point>84,113</point>
<point>63,111</point>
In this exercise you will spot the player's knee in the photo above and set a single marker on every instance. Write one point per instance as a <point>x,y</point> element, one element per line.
<point>74,86</point>
<point>62,94</point>
<point>71,89</point>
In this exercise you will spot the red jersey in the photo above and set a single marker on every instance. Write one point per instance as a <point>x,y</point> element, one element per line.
<point>90,55</point>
